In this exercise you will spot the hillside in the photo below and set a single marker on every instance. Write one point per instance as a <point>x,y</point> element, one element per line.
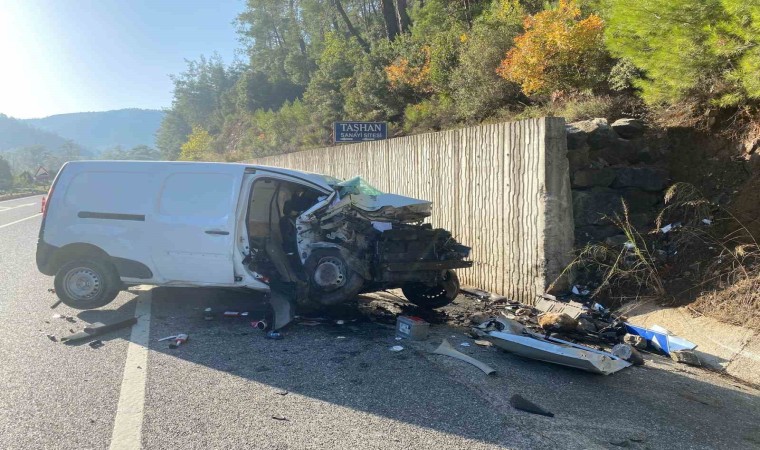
<point>103,130</point>
<point>16,134</point>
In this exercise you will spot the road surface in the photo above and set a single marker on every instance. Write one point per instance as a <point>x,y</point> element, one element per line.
<point>325,386</point>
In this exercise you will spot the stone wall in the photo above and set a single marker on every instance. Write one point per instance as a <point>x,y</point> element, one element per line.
<point>610,163</point>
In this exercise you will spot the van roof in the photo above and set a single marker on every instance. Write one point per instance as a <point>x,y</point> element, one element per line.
<point>324,181</point>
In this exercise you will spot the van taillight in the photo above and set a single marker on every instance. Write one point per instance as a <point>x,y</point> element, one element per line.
<point>45,201</point>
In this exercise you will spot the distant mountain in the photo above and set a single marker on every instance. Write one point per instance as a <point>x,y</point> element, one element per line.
<point>15,134</point>
<point>104,130</point>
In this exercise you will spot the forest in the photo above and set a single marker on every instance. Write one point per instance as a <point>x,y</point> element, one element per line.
<point>425,65</point>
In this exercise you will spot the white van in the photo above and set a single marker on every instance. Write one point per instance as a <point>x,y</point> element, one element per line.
<point>108,225</point>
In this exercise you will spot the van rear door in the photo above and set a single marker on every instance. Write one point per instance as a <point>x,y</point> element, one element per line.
<point>195,224</point>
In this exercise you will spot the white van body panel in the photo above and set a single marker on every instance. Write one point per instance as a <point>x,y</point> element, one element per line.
<point>180,220</point>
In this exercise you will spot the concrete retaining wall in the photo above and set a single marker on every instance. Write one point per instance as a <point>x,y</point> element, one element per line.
<point>502,189</point>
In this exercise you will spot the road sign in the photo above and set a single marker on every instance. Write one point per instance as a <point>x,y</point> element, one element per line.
<point>359,131</point>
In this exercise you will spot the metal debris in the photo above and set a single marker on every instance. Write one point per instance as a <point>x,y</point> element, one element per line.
<point>447,350</point>
<point>519,402</point>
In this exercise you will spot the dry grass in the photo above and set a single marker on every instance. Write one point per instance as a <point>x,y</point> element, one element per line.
<point>726,253</point>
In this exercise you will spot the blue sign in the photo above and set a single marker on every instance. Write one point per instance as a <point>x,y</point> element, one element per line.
<point>359,131</point>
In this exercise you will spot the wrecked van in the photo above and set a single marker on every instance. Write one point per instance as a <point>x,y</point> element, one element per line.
<point>109,225</point>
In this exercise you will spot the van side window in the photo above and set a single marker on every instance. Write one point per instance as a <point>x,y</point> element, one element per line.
<point>198,194</point>
<point>109,192</point>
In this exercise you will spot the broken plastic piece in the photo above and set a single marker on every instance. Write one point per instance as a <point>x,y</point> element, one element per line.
<point>660,339</point>
<point>179,340</point>
<point>396,348</point>
<point>174,336</point>
<point>447,350</point>
<point>519,402</point>
<point>283,309</point>
<point>274,335</point>
<point>96,344</point>
<point>97,329</point>
<point>686,357</point>
<point>707,221</point>
<point>552,350</point>
<point>572,309</point>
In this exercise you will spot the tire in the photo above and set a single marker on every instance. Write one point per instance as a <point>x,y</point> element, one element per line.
<point>436,296</point>
<point>331,279</point>
<point>87,283</point>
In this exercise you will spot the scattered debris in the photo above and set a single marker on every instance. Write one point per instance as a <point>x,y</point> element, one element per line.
<point>465,344</point>
<point>396,348</point>
<point>519,402</point>
<point>580,290</point>
<point>167,338</point>
<point>447,350</point>
<point>686,357</point>
<point>282,392</point>
<point>514,337</point>
<point>707,221</point>
<point>231,314</point>
<point>340,322</point>
<point>274,335</point>
<point>478,318</point>
<point>412,327</point>
<point>178,340</point>
<point>484,343</point>
<point>97,329</point>
<point>259,324</point>
<point>475,292</point>
<point>635,340</point>
<point>557,322</point>
<point>96,344</point>
<point>660,339</point>
<point>548,303</point>
<point>52,338</point>
<point>207,314</point>
<point>340,337</point>
<point>279,417</point>
<point>628,353</point>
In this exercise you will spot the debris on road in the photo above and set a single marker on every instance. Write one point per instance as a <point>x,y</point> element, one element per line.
<point>274,335</point>
<point>52,338</point>
<point>549,304</point>
<point>174,336</point>
<point>465,344</point>
<point>279,417</point>
<point>412,327</point>
<point>516,338</point>
<point>635,340</point>
<point>483,343</point>
<point>688,357</point>
<point>519,402</point>
<point>396,348</point>
<point>178,340</point>
<point>557,322</point>
<point>282,392</point>
<point>96,344</point>
<point>628,353</point>
<point>207,314</point>
<point>259,324</point>
<point>98,328</point>
<point>447,350</point>
<point>660,339</point>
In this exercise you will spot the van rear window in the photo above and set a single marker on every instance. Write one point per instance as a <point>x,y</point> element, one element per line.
<point>198,194</point>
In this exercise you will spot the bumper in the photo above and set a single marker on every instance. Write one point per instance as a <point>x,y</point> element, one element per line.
<point>45,253</point>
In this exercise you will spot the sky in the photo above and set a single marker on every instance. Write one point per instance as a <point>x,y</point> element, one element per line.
<point>62,56</point>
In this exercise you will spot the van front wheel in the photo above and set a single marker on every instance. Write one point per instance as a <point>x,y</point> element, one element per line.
<point>87,283</point>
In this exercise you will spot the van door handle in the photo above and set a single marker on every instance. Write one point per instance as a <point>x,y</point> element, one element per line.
<point>218,232</point>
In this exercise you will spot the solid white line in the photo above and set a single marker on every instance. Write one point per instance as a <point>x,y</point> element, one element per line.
<point>8,208</point>
<point>127,427</point>
<point>20,220</point>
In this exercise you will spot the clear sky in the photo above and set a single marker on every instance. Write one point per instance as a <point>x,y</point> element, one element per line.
<point>61,56</point>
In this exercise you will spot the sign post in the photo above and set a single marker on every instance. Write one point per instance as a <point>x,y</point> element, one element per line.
<point>359,131</point>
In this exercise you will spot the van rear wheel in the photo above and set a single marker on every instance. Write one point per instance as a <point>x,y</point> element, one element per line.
<point>87,283</point>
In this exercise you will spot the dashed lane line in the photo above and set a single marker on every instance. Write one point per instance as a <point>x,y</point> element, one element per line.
<point>20,220</point>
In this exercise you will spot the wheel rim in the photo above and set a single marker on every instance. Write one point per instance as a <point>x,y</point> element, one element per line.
<point>330,273</point>
<point>82,283</point>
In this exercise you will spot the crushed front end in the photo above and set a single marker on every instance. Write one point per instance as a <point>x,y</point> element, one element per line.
<point>359,239</point>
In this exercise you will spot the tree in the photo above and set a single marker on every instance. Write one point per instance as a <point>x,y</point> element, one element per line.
<point>708,49</point>
<point>558,51</point>
<point>199,146</point>
<point>6,177</point>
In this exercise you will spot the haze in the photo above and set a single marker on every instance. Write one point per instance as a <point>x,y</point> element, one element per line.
<point>70,56</point>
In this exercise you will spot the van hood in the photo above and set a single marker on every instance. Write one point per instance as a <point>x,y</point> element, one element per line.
<point>376,205</point>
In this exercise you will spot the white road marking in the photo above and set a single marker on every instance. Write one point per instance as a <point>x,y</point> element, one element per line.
<point>127,427</point>
<point>8,208</point>
<point>20,220</point>
<point>21,198</point>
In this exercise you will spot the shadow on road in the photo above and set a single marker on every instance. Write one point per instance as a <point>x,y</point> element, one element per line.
<point>351,366</point>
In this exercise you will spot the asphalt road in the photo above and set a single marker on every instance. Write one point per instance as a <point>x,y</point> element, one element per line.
<point>342,386</point>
